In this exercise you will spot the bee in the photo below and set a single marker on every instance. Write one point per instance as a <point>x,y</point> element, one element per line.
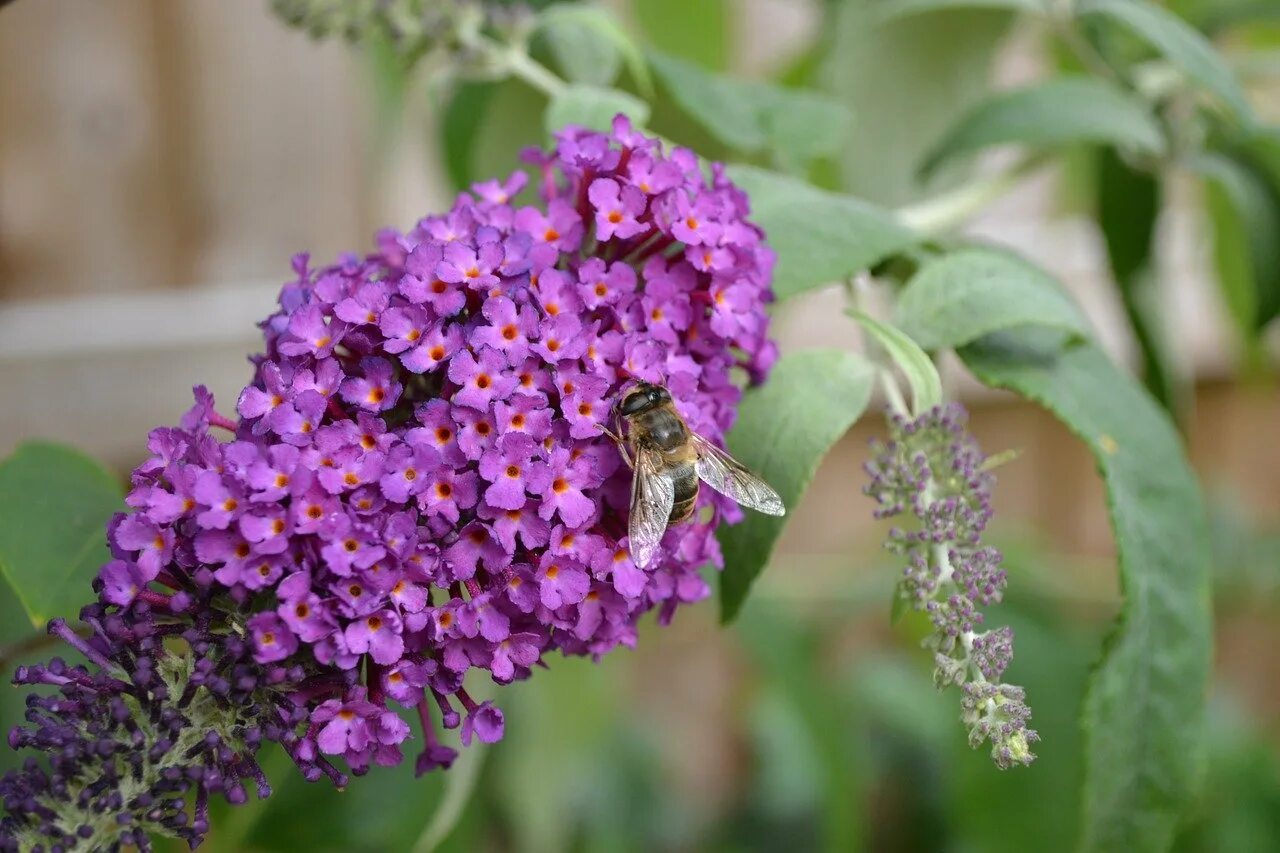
<point>669,460</point>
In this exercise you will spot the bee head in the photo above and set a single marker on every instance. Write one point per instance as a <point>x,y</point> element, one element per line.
<point>643,397</point>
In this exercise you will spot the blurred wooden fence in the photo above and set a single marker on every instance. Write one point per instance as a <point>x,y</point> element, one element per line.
<point>161,159</point>
<point>150,144</point>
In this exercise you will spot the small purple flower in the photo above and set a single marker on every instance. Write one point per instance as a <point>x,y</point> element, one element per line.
<point>379,635</point>
<point>484,722</point>
<point>514,656</point>
<point>561,581</point>
<point>482,379</point>
<point>511,470</point>
<point>407,471</point>
<point>272,639</point>
<point>375,390</point>
<point>310,334</point>
<point>564,492</point>
<point>508,330</point>
<point>470,267</point>
<point>617,208</point>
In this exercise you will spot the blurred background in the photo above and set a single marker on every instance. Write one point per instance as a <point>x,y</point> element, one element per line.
<point>161,160</point>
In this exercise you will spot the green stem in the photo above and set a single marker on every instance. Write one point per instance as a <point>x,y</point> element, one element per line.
<point>460,783</point>
<point>537,75</point>
<point>954,208</point>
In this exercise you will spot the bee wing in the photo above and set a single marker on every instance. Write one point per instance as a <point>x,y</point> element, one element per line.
<point>730,478</point>
<point>652,495</point>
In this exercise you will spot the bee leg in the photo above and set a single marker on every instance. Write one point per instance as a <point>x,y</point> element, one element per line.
<point>618,440</point>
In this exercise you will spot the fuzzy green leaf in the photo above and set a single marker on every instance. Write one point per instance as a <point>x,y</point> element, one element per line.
<point>1054,113</point>
<point>820,237</point>
<point>967,294</point>
<point>1144,712</point>
<point>54,506</point>
<point>750,117</point>
<point>590,45</point>
<point>915,364</point>
<point>1178,42</point>
<point>784,429</point>
<point>593,107</point>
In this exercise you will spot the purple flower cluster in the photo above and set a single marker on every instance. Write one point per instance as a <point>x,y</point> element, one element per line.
<point>131,736</point>
<point>933,469</point>
<point>417,485</point>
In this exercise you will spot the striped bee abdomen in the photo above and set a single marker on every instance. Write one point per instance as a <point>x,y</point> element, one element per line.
<point>684,478</point>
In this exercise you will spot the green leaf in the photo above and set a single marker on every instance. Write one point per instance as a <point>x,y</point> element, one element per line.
<point>820,237</point>
<point>580,54</point>
<point>1128,204</point>
<point>938,65</point>
<point>464,118</point>
<point>716,102</point>
<point>54,506</point>
<point>593,107</point>
<point>899,607</point>
<point>970,293</point>
<point>697,31</point>
<point>1244,212</point>
<point>915,364</point>
<point>590,45</point>
<point>1179,43</point>
<point>1144,712</point>
<point>889,10</point>
<point>784,429</point>
<point>486,125</point>
<point>751,117</point>
<point>1057,112</point>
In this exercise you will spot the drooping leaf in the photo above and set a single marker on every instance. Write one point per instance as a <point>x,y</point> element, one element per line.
<point>751,117</point>
<point>464,116</point>
<point>486,125</point>
<point>784,429</point>
<point>54,506</point>
<point>970,293</point>
<point>590,45</point>
<point>1061,111</point>
<point>1179,43</point>
<point>820,237</point>
<point>700,32</point>
<point>1144,712</point>
<point>1128,201</point>
<point>915,364</point>
<point>1244,213</point>
<point>1261,151</point>
<point>593,107</point>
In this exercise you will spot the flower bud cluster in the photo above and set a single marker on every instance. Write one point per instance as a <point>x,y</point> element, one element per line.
<point>932,471</point>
